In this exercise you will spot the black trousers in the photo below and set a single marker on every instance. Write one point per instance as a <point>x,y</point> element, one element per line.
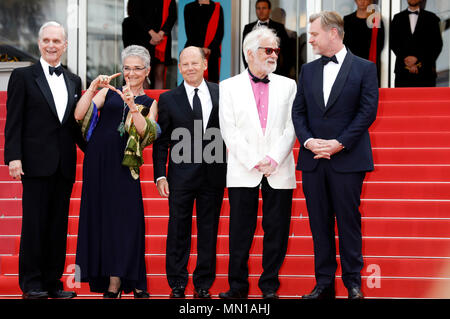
<point>208,203</point>
<point>277,205</point>
<point>329,194</point>
<point>45,211</point>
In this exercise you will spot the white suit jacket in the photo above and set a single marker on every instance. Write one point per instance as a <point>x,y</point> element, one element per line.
<point>241,129</point>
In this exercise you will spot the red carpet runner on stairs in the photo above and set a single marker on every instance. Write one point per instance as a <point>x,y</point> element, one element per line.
<point>405,213</point>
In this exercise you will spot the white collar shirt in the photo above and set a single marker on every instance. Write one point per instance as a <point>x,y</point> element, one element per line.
<point>413,20</point>
<point>330,72</point>
<point>205,100</point>
<point>58,88</point>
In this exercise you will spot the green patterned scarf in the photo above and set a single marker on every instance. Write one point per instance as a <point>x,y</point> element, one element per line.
<point>134,156</point>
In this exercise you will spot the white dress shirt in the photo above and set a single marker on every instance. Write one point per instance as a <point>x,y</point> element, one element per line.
<point>205,99</point>
<point>330,72</point>
<point>413,20</point>
<point>58,88</point>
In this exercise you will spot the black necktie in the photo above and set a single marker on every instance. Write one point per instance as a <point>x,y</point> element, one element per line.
<point>326,59</point>
<point>58,70</point>
<point>256,79</point>
<point>414,12</point>
<point>197,107</point>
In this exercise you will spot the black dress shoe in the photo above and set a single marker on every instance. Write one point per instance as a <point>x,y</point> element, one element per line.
<point>233,294</point>
<point>201,293</point>
<point>141,294</point>
<point>61,294</point>
<point>270,295</point>
<point>35,294</point>
<point>321,293</point>
<point>113,295</point>
<point>355,293</point>
<point>177,292</point>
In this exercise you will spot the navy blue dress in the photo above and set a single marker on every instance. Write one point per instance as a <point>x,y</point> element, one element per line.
<point>111,231</point>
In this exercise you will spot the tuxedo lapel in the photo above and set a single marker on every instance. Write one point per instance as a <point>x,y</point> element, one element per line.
<point>341,79</point>
<point>214,93</point>
<point>70,96</point>
<point>318,85</point>
<point>406,22</point>
<point>183,102</point>
<point>42,83</point>
<point>420,21</point>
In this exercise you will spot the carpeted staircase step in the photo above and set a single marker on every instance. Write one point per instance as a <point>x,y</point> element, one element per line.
<point>423,170</point>
<point>413,108</point>
<point>415,94</point>
<point>375,190</point>
<point>416,168</point>
<point>298,245</point>
<point>382,155</point>
<point>389,123</point>
<point>395,208</point>
<point>383,227</point>
<point>410,123</point>
<point>291,287</point>
<point>293,265</point>
<point>395,139</point>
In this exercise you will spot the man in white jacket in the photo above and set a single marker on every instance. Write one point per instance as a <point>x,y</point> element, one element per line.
<point>255,122</point>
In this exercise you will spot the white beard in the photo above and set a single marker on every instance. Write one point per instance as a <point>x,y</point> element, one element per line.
<point>268,67</point>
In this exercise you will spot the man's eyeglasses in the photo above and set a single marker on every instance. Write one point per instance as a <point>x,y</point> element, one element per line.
<point>128,69</point>
<point>269,51</point>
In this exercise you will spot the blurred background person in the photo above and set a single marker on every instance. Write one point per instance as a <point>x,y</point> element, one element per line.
<point>288,56</point>
<point>149,24</point>
<point>263,10</point>
<point>364,34</point>
<point>415,38</point>
<point>204,27</point>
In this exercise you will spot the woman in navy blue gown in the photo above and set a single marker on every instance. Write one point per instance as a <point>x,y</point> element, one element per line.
<point>111,231</point>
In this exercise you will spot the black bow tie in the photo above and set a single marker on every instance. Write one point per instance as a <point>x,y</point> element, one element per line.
<point>414,12</point>
<point>58,70</point>
<point>326,59</point>
<point>266,24</point>
<point>256,79</point>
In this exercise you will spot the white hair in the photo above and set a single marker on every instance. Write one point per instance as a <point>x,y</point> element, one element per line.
<point>138,51</point>
<point>51,24</point>
<point>253,39</point>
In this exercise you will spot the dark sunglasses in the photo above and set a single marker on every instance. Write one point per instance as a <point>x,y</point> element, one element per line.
<point>269,51</point>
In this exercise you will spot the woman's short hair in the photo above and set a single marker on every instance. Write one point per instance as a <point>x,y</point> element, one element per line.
<point>329,20</point>
<point>253,39</point>
<point>139,51</point>
<point>51,24</point>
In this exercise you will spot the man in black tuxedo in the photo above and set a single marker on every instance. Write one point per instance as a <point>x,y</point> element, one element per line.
<point>40,150</point>
<point>190,135</point>
<point>263,9</point>
<point>336,102</point>
<point>417,42</point>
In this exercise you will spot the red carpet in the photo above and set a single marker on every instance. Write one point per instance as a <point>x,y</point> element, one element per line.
<point>405,213</point>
